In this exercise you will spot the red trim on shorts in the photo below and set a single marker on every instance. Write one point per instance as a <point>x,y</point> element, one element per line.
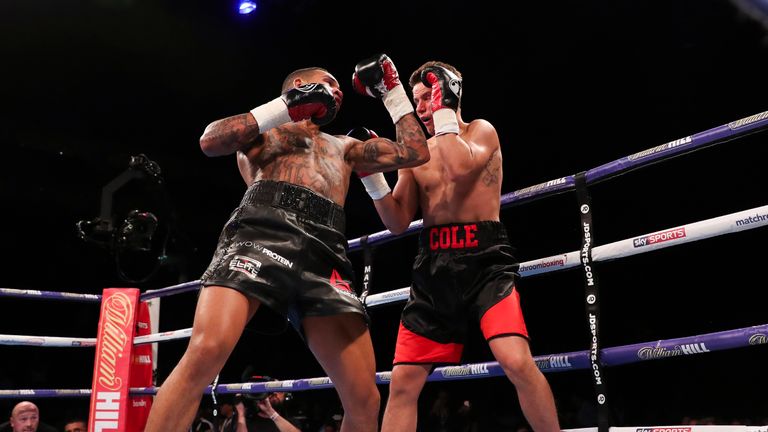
<point>504,318</point>
<point>415,349</point>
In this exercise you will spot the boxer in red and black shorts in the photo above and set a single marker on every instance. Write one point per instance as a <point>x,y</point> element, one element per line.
<point>463,272</point>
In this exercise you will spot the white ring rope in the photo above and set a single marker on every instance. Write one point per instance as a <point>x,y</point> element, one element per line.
<point>731,223</point>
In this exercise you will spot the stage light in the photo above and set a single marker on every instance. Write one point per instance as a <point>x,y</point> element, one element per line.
<point>246,7</point>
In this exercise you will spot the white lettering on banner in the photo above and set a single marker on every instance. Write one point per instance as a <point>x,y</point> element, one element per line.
<point>689,349</point>
<point>585,255</point>
<point>649,353</point>
<point>107,410</point>
<point>593,349</point>
<point>555,182</point>
<point>278,384</point>
<point>654,150</point>
<point>454,371</point>
<point>748,120</point>
<point>559,361</point>
<point>366,277</point>
<point>319,381</point>
<point>540,186</point>
<point>758,339</point>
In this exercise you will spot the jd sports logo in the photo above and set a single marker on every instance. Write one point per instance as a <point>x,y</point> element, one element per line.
<point>338,282</point>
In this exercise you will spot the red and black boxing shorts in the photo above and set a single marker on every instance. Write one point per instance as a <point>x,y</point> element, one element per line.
<point>463,272</point>
<point>284,246</point>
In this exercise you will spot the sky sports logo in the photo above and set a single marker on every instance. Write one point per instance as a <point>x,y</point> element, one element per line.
<point>659,237</point>
<point>663,429</point>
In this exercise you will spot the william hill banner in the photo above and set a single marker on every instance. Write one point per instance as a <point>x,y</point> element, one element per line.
<point>111,369</point>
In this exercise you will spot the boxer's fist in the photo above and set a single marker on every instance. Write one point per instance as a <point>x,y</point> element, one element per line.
<point>311,102</point>
<point>375,76</point>
<point>362,134</point>
<point>375,183</point>
<point>378,77</point>
<point>445,85</point>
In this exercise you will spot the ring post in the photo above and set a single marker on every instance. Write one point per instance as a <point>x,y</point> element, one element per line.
<point>112,365</point>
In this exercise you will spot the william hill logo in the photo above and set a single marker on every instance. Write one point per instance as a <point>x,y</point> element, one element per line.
<point>467,370</point>
<point>314,382</point>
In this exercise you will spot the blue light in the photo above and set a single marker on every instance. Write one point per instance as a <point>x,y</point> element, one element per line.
<point>246,7</point>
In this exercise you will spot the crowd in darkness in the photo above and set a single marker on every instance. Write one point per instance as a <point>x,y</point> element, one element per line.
<point>447,407</point>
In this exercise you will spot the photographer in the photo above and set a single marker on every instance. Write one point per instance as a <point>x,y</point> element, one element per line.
<point>261,413</point>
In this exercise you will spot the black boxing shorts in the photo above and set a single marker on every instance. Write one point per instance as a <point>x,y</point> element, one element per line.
<point>284,246</point>
<point>463,272</point>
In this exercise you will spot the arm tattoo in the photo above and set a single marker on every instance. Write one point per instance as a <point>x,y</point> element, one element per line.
<point>382,153</point>
<point>408,134</point>
<point>239,130</point>
<point>370,151</point>
<point>491,170</point>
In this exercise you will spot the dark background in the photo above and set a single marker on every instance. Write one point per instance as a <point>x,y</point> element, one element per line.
<point>569,86</point>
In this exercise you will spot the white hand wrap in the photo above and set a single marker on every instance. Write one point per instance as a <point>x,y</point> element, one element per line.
<point>445,121</point>
<point>376,186</point>
<point>271,115</point>
<point>397,103</point>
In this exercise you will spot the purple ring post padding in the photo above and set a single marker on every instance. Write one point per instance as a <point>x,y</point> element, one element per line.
<point>692,345</point>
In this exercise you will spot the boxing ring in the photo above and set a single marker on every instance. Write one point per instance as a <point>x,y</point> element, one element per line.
<point>595,358</point>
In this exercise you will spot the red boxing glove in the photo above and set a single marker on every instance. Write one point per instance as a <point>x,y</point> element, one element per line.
<point>446,95</point>
<point>445,85</point>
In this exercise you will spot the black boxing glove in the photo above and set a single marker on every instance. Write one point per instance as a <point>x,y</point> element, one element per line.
<point>377,77</point>
<point>312,101</point>
<point>362,134</point>
<point>375,183</point>
<point>446,95</point>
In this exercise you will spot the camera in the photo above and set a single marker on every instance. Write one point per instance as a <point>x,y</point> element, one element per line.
<point>246,397</point>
